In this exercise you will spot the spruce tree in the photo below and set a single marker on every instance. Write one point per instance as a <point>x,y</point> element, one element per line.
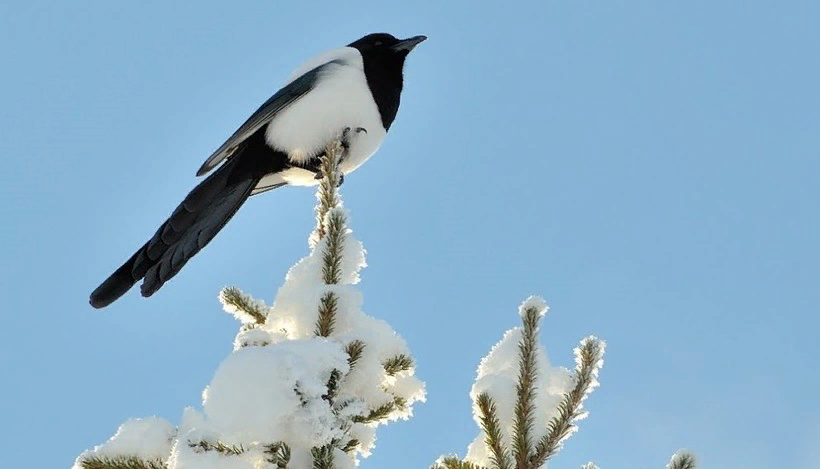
<point>312,377</point>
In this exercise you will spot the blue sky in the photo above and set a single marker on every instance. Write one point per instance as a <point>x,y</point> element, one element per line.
<point>650,168</point>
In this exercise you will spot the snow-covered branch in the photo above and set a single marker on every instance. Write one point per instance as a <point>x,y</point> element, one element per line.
<point>526,409</point>
<point>309,379</point>
<point>518,395</point>
<point>682,460</point>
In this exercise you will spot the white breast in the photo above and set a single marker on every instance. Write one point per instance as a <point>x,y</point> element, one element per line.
<point>340,99</point>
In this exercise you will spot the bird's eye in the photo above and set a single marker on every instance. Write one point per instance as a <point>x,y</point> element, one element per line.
<point>377,43</point>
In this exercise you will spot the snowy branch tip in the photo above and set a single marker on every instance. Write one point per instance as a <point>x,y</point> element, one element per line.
<point>533,303</point>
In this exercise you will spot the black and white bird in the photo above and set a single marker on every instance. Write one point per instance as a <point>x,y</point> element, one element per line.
<point>352,91</point>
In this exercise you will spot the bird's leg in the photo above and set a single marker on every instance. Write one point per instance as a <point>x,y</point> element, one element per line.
<point>341,177</point>
<point>345,141</point>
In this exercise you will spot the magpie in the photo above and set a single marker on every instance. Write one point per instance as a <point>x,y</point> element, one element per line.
<point>353,91</point>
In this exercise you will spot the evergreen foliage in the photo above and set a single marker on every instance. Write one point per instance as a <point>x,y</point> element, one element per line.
<point>518,448</point>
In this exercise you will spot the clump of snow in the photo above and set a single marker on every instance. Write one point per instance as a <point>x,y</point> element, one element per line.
<point>498,377</point>
<point>147,438</point>
<point>534,302</point>
<point>253,337</point>
<point>275,393</point>
<point>368,380</point>
<point>366,434</point>
<point>341,460</point>
<point>296,306</point>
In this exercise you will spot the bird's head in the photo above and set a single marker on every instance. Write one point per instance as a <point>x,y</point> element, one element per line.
<point>386,47</point>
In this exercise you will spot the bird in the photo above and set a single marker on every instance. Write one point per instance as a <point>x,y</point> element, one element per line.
<point>353,91</point>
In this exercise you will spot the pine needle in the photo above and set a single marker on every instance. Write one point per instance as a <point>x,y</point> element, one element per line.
<point>328,305</point>
<point>492,428</point>
<point>327,193</point>
<point>219,447</point>
<point>525,390</point>
<point>350,445</point>
<point>278,454</point>
<point>339,406</point>
<point>332,257</point>
<point>589,359</point>
<point>397,364</point>
<point>332,386</point>
<point>682,460</point>
<point>303,399</point>
<point>332,225</point>
<point>235,300</point>
<point>322,457</point>
<point>354,351</point>
<point>94,461</point>
<point>381,412</point>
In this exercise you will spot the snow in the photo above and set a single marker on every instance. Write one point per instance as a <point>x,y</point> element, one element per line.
<point>273,386</point>
<point>498,377</point>
<point>256,337</point>
<point>534,302</point>
<point>596,367</point>
<point>240,314</point>
<point>148,438</point>
<point>251,397</point>
<point>366,434</point>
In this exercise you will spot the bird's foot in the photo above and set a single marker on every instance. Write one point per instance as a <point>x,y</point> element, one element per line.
<point>341,178</point>
<point>346,136</point>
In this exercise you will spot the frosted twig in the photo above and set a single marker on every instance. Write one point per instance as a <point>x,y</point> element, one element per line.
<point>682,460</point>
<point>589,360</point>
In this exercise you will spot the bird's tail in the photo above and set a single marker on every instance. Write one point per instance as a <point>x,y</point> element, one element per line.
<point>192,225</point>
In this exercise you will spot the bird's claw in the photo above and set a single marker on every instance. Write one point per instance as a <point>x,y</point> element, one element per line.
<point>346,135</point>
<point>339,184</point>
<point>345,141</point>
<point>319,176</point>
<point>347,130</point>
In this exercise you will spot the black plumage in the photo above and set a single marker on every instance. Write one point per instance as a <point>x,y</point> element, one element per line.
<point>253,160</point>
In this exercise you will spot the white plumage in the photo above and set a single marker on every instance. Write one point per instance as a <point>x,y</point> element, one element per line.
<point>340,99</point>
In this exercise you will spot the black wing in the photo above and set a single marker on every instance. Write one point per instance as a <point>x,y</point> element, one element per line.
<point>282,99</point>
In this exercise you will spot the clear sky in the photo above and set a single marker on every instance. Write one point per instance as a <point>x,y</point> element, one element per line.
<point>651,168</point>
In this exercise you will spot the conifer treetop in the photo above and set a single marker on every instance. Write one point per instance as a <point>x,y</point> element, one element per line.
<point>310,377</point>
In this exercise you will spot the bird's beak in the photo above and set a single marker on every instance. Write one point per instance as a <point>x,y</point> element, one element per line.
<point>409,43</point>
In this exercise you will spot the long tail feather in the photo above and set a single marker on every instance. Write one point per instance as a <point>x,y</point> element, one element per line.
<point>192,225</point>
